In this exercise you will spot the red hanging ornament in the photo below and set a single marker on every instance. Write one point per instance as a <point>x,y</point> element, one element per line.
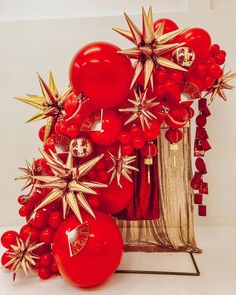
<point>149,151</point>
<point>173,135</point>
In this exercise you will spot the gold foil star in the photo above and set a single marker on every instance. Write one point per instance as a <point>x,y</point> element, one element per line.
<point>141,108</point>
<point>22,256</point>
<point>150,46</point>
<point>49,103</point>
<point>68,183</point>
<point>121,166</point>
<point>220,85</point>
<point>30,171</point>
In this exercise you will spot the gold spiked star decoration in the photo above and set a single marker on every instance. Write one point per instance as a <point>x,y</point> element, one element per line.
<point>30,171</point>
<point>68,184</point>
<point>121,167</point>
<point>220,85</point>
<point>49,103</point>
<point>22,256</point>
<point>141,108</point>
<point>150,46</point>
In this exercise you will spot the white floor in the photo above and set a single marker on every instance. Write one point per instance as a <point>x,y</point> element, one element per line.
<point>217,265</point>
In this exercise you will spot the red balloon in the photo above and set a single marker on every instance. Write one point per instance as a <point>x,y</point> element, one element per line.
<point>9,238</point>
<point>152,132</point>
<point>111,129</point>
<point>71,103</point>
<point>114,198</point>
<point>6,257</point>
<point>102,74</point>
<point>197,39</point>
<point>100,255</point>
<point>169,25</point>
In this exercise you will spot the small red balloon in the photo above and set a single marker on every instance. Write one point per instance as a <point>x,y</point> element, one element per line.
<point>55,219</point>
<point>115,198</point>
<point>46,235</point>
<point>102,74</point>
<point>41,133</point>
<point>100,256</point>
<point>6,257</point>
<point>152,132</point>
<point>40,219</point>
<point>44,273</point>
<point>9,238</point>
<point>46,259</point>
<point>70,103</point>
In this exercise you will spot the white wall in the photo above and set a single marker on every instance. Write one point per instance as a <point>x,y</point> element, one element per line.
<point>47,36</point>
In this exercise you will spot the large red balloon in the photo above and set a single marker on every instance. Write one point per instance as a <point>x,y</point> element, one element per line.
<point>100,255</point>
<point>111,129</point>
<point>169,25</point>
<point>197,39</point>
<point>114,199</point>
<point>101,73</point>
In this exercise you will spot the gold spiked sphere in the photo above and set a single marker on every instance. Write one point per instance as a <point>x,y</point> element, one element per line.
<point>30,171</point>
<point>220,85</point>
<point>68,184</point>
<point>49,103</point>
<point>150,46</point>
<point>141,108</point>
<point>121,166</point>
<point>22,256</point>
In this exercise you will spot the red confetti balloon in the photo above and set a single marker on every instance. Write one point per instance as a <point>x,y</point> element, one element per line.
<point>115,198</point>
<point>102,74</point>
<point>100,255</point>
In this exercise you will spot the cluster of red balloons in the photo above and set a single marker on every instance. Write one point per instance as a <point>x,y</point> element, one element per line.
<point>100,78</point>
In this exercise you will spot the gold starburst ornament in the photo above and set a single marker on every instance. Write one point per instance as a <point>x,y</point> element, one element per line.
<point>141,108</point>
<point>68,184</point>
<point>50,104</point>
<point>22,256</point>
<point>150,46</point>
<point>220,85</point>
<point>121,166</point>
<point>30,171</point>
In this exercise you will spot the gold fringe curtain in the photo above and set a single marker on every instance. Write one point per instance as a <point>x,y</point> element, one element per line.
<point>174,230</point>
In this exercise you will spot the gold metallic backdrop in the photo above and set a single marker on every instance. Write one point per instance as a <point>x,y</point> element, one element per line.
<point>174,229</point>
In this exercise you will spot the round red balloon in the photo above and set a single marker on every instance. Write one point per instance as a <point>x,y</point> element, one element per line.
<point>102,74</point>
<point>197,39</point>
<point>115,198</point>
<point>98,251</point>
<point>169,25</point>
<point>111,129</point>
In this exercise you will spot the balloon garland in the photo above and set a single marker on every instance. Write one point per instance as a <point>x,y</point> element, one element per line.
<point>117,102</point>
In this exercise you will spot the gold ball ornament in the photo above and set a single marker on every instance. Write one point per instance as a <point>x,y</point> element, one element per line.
<point>184,56</point>
<point>81,147</point>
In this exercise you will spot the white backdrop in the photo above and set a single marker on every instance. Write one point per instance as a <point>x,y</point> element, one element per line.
<point>38,36</point>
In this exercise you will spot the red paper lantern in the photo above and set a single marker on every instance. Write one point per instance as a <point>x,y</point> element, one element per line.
<point>149,150</point>
<point>173,135</point>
